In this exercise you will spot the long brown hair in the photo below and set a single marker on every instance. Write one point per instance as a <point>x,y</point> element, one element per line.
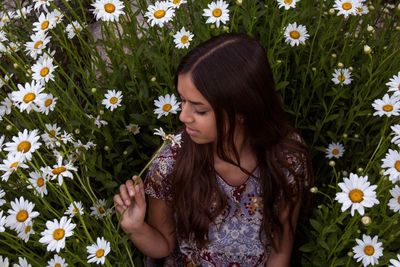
<point>232,72</point>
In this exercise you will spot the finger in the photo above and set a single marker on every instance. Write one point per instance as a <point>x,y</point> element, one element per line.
<point>136,179</point>
<point>124,195</point>
<point>120,209</point>
<point>139,197</point>
<point>130,187</point>
<point>117,200</point>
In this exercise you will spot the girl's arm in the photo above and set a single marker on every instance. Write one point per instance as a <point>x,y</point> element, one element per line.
<point>155,238</point>
<point>288,219</point>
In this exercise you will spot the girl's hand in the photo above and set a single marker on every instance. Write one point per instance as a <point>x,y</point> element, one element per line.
<point>131,204</point>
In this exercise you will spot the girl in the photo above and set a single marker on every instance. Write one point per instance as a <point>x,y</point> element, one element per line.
<point>231,195</point>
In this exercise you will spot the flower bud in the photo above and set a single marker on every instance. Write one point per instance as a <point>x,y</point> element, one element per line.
<point>350,68</point>
<point>360,170</point>
<point>77,131</point>
<point>334,55</point>
<point>94,90</point>
<point>371,7</point>
<point>9,127</point>
<point>370,28</point>
<point>367,49</point>
<point>350,254</point>
<point>340,65</point>
<point>16,65</point>
<point>345,135</point>
<point>332,163</point>
<point>239,2</point>
<point>356,136</point>
<point>382,172</point>
<point>106,148</point>
<point>314,189</point>
<point>314,69</point>
<point>153,79</point>
<point>345,173</point>
<point>366,220</point>
<point>125,152</point>
<point>101,112</point>
<point>332,11</point>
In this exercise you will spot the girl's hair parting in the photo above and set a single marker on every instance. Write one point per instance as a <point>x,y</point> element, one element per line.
<point>232,72</point>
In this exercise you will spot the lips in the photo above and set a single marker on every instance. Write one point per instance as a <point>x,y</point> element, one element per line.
<point>190,131</point>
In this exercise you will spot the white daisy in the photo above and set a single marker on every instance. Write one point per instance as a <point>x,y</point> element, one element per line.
<point>41,4</point>
<point>108,10</point>
<point>22,262</point>
<point>29,97</point>
<point>73,29</point>
<point>361,9</point>
<point>57,16</point>
<point>26,143</point>
<point>346,7</point>
<point>5,80</point>
<point>37,181</point>
<point>23,12</point>
<point>357,193</point>
<point>2,194</point>
<point>217,12</point>
<point>388,106</point>
<point>392,165</point>
<point>182,38</point>
<point>57,261</point>
<point>133,128</point>
<point>37,44</point>
<point>48,104</point>
<point>178,3</point>
<point>13,47</point>
<point>20,213</point>
<point>2,137</point>
<point>25,232</point>
<point>45,22</point>
<point>43,71</point>
<point>394,84</point>
<point>175,140</point>
<point>394,202</point>
<point>394,262</point>
<point>99,209</point>
<point>295,35</point>
<point>287,4</point>
<point>51,136</point>
<point>342,76</point>
<point>74,208</point>
<point>160,13</point>
<point>112,99</point>
<point>98,251</point>
<point>335,150</point>
<point>56,232</point>
<point>6,106</point>
<point>396,132</point>
<point>165,105</point>
<point>66,138</point>
<point>11,164</point>
<point>368,250</point>
<point>60,170</point>
<point>3,220</point>
<point>97,121</point>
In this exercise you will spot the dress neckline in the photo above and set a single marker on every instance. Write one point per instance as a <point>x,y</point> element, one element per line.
<point>252,174</point>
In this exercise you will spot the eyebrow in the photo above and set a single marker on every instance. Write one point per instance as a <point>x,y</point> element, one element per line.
<point>193,102</point>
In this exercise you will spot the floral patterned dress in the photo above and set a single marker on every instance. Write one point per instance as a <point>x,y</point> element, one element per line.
<point>235,234</point>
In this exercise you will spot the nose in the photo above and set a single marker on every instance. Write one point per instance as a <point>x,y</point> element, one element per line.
<point>185,116</point>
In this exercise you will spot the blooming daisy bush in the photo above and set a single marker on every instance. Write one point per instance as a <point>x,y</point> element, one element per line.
<point>87,95</point>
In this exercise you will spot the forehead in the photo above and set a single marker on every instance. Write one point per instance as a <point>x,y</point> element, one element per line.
<point>188,90</point>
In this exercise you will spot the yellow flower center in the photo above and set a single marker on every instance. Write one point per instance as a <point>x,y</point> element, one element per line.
<point>347,6</point>
<point>100,253</point>
<point>359,9</point>
<point>24,146</point>
<point>14,164</point>
<point>52,133</point>
<point>59,170</point>
<point>217,12</point>
<point>398,199</point>
<point>387,108</point>
<point>369,250</point>
<point>288,2</point>
<point>22,215</point>
<point>295,34</point>
<point>101,210</point>
<point>335,151</point>
<point>75,211</point>
<point>167,107</point>
<point>356,195</point>
<point>29,97</point>
<point>28,228</point>
<point>40,182</point>
<point>58,234</point>
<point>109,8</point>
<point>185,39</point>
<point>341,78</point>
<point>159,14</point>
<point>38,44</point>
<point>175,2</point>
<point>397,165</point>
<point>48,102</point>
<point>57,265</point>
<point>44,71</point>
<point>44,25</point>
<point>113,100</point>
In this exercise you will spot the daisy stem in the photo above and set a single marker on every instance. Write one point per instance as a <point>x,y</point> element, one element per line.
<point>64,186</point>
<point>152,159</point>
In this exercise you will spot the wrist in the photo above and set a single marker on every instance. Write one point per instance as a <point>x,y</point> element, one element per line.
<point>134,230</point>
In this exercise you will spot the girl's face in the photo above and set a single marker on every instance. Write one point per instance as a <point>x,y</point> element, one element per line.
<point>196,114</point>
